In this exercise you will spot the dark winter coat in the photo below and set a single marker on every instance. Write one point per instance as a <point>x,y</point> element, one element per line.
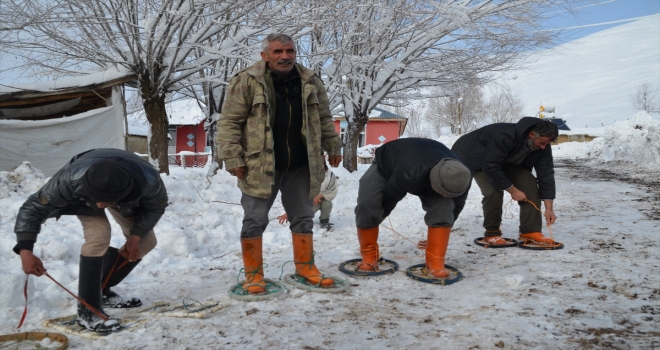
<point>406,164</point>
<point>63,194</point>
<point>487,148</point>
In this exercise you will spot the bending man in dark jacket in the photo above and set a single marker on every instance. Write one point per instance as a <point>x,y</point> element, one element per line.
<point>502,156</point>
<point>134,194</point>
<point>425,168</point>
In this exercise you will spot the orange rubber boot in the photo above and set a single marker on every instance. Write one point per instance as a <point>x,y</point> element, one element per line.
<point>303,257</point>
<point>438,240</point>
<point>253,261</point>
<point>536,237</point>
<point>368,238</point>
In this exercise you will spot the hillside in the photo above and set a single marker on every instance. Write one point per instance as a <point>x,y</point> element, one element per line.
<point>589,80</point>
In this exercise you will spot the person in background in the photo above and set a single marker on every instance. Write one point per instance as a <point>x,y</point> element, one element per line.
<point>323,201</point>
<point>89,185</point>
<point>274,125</point>
<point>422,167</point>
<point>502,156</point>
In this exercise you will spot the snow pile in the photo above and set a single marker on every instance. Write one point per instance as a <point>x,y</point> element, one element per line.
<point>635,141</point>
<point>23,180</point>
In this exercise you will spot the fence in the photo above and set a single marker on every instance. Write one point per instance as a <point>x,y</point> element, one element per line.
<point>189,159</point>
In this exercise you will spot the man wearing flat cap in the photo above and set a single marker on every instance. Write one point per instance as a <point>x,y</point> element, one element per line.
<point>132,192</point>
<point>422,167</point>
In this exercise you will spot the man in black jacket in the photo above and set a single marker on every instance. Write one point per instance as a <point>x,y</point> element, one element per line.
<point>425,168</point>
<point>502,156</point>
<point>132,192</point>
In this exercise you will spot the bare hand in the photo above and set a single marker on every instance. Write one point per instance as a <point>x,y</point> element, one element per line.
<point>238,172</point>
<point>422,244</point>
<point>130,249</point>
<point>334,161</point>
<point>282,219</point>
<point>517,195</point>
<point>31,264</point>
<point>550,216</point>
<point>317,199</point>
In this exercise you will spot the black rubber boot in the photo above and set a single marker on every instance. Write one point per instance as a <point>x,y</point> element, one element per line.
<point>112,261</point>
<point>89,290</point>
<point>326,224</point>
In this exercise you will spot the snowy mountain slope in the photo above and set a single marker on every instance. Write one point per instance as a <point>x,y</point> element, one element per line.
<point>589,80</point>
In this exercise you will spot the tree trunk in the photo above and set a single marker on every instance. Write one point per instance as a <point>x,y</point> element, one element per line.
<point>351,138</point>
<point>154,108</point>
<point>212,124</point>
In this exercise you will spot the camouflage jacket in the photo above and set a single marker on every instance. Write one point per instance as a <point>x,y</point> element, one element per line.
<point>245,138</point>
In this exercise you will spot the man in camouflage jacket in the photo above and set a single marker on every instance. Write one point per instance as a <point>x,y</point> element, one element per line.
<point>274,124</point>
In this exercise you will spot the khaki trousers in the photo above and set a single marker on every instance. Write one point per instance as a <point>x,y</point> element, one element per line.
<point>97,232</point>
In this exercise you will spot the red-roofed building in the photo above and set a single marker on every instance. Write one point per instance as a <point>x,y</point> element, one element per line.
<point>383,126</point>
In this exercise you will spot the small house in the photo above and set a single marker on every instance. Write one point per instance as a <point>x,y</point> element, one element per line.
<point>188,143</point>
<point>383,126</point>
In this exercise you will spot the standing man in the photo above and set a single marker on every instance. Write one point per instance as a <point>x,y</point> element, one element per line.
<point>274,124</point>
<point>425,168</point>
<point>132,192</point>
<point>502,156</point>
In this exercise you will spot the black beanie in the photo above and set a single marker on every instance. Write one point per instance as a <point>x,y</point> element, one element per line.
<point>106,181</point>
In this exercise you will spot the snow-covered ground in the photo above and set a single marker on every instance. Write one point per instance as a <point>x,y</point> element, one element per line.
<point>601,291</point>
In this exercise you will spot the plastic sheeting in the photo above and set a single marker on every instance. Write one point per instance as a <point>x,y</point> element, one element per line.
<point>49,144</point>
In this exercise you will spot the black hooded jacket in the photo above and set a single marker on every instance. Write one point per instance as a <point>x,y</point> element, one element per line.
<point>487,148</point>
<point>63,194</point>
<point>406,164</point>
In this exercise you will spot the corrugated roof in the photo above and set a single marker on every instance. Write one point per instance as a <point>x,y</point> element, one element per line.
<point>379,113</point>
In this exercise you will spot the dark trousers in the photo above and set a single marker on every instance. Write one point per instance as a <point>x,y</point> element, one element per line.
<point>294,186</point>
<point>369,210</point>
<point>522,179</point>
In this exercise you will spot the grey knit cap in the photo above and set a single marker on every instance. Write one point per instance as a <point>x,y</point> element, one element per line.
<point>450,177</point>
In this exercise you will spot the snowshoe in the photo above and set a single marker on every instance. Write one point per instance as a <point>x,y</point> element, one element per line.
<point>114,300</point>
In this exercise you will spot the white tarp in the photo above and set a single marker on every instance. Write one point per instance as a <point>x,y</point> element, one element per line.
<point>49,144</point>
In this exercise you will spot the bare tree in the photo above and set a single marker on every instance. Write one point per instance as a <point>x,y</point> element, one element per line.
<point>646,98</point>
<point>434,111</point>
<point>462,112</point>
<point>416,125</point>
<point>376,49</point>
<point>503,106</point>
<point>163,42</point>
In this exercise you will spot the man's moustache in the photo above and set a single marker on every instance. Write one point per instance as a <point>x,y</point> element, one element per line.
<point>285,62</point>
